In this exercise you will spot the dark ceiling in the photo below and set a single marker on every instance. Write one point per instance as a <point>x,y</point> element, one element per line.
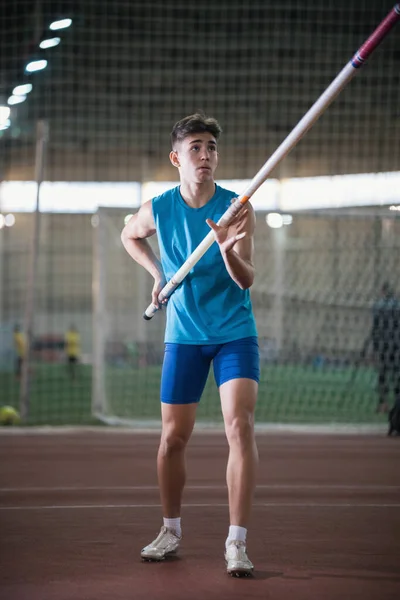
<point>127,70</point>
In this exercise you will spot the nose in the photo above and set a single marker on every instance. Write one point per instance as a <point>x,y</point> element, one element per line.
<point>205,154</point>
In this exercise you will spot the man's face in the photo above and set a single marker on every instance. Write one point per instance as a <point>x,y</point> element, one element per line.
<point>196,157</point>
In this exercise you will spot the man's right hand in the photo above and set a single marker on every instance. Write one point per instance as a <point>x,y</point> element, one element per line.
<point>159,283</point>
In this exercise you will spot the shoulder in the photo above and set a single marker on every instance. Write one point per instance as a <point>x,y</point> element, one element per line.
<point>165,197</point>
<point>140,225</point>
<point>162,205</point>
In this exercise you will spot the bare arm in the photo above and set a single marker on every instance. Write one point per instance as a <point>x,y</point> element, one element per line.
<point>237,246</point>
<point>133,236</point>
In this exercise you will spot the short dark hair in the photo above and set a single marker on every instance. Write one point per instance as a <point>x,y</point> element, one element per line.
<point>196,123</point>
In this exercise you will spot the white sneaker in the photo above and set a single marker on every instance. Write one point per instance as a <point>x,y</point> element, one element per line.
<point>237,561</point>
<point>166,543</point>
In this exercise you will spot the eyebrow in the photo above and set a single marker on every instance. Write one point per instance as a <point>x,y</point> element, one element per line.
<point>201,141</point>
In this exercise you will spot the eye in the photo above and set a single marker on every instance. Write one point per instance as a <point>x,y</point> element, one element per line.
<point>195,148</point>
<point>212,149</point>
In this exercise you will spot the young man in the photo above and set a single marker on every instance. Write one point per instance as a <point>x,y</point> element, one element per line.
<point>385,336</point>
<point>209,319</point>
<point>72,350</point>
<point>20,350</point>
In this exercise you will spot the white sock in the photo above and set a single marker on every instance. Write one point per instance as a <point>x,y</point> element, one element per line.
<point>174,524</point>
<point>236,534</point>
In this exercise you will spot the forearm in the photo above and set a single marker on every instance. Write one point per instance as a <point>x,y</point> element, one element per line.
<point>240,270</point>
<point>141,252</point>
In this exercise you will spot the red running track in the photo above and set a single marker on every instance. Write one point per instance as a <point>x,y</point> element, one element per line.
<point>77,508</point>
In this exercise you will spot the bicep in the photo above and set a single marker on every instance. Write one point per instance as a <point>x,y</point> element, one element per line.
<point>141,225</point>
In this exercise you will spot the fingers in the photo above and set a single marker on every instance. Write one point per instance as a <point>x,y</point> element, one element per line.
<point>157,303</point>
<point>213,225</point>
<point>230,243</point>
<point>242,216</point>
<point>238,237</point>
<point>154,299</point>
<point>240,219</point>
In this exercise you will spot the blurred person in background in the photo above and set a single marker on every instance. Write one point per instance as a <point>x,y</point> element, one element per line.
<point>385,336</point>
<point>72,350</point>
<point>20,350</point>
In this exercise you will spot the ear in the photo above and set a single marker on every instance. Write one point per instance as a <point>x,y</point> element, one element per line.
<point>173,157</point>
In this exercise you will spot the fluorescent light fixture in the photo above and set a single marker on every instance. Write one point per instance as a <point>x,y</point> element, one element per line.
<point>5,125</point>
<point>9,220</point>
<point>337,191</point>
<point>36,65</point>
<point>68,196</point>
<point>274,220</point>
<point>86,197</point>
<point>50,43</point>
<point>16,99</point>
<point>22,90</point>
<point>4,114</point>
<point>287,219</point>
<point>62,24</point>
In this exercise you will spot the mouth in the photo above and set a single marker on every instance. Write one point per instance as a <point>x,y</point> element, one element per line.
<point>204,169</point>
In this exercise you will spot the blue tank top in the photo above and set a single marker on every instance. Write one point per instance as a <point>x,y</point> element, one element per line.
<point>208,307</point>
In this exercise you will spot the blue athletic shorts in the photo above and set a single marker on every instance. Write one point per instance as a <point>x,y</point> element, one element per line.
<point>186,367</point>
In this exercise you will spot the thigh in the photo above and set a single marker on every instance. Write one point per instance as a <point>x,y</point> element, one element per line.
<point>237,373</point>
<point>238,400</point>
<point>178,421</point>
<point>184,374</point>
<point>239,359</point>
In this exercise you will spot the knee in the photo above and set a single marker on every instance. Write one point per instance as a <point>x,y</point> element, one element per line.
<point>172,441</point>
<point>240,430</point>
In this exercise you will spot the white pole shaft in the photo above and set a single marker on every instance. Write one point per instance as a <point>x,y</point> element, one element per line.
<point>286,146</point>
<point>311,116</point>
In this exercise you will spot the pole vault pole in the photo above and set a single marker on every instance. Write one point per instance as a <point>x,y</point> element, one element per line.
<point>311,116</point>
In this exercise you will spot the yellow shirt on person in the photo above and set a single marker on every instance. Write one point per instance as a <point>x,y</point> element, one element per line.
<point>72,344</point>
<point>20,344</point>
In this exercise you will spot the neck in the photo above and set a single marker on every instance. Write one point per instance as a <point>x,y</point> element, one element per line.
<point>197,195</point>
